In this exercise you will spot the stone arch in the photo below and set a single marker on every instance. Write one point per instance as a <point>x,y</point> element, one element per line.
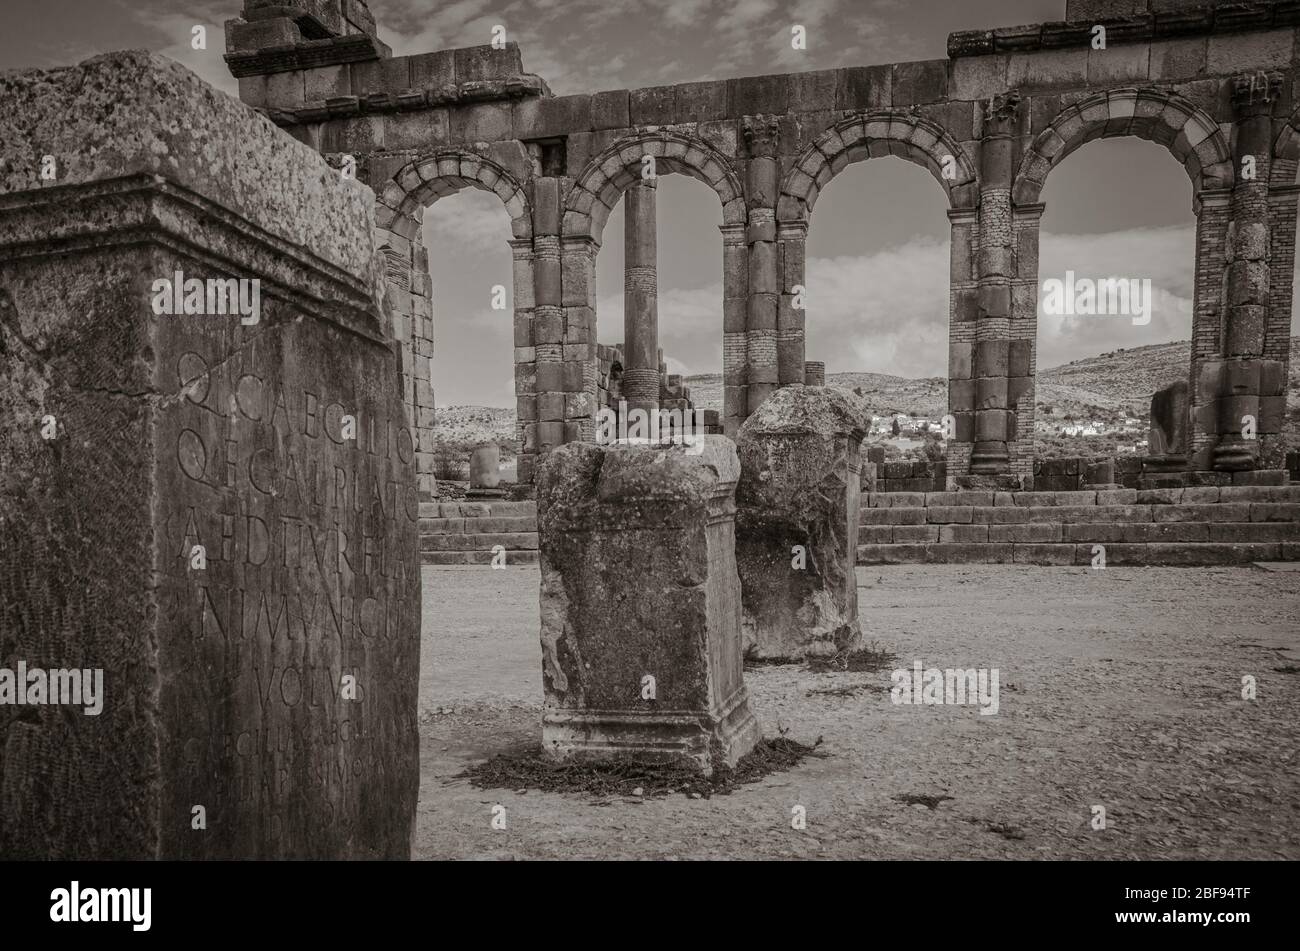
<point>399,210</point>
<point>1162,117</point>
<point>870,135</point>
<point>598,188</point>
<point>1286,152</point>
<point>427,178</point>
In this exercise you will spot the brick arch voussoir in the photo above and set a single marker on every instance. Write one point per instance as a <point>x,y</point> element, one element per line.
<point>1191,136</point>
<point>1286,151</point>
<point>428,177</point>
<point>599,185</point>
<point>917,139</point>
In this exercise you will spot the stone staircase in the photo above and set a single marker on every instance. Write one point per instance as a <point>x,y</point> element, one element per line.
<point>466,533</point>
<point>1203,525</point>
<point>1187,526</point>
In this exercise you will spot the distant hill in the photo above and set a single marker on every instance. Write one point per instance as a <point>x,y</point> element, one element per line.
<point>1104,387</point>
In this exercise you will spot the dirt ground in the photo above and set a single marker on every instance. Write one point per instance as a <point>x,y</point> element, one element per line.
<point>1119,688</point>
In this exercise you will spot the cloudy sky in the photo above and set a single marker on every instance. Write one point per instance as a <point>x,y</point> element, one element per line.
<point>878,244</point>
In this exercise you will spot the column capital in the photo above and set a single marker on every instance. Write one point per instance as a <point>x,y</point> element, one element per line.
<point>1001,111</point>
<point>1028,212</point>
<point>733,234</point>
<point>762,133</point>
<point>1253,94</point>
<point>792,230</point>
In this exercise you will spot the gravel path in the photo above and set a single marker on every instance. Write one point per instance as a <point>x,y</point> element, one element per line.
<point>1118,688</point>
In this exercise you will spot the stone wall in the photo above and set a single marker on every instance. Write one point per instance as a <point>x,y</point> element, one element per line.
<point>1180,526</point>
<point>1209,83</point>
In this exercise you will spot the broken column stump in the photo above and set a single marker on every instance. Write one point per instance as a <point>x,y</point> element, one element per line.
<point>797,522</point>
<point>214,507</point>
<point>640,604</point>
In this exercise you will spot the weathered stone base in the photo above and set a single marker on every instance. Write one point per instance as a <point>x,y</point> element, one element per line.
<point>709,740</point>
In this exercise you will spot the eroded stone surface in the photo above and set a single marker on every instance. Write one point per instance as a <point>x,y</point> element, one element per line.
<point>640,604</point>
<point>200,526</point>
<point>797,522</point>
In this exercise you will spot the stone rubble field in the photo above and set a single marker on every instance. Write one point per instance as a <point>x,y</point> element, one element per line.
<point>1118,688</point>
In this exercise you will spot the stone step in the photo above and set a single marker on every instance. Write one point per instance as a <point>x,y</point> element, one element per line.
<point>1239,512</point>
<point>469,509</point>
<point>475,558</point>
<point>478,526</point>
<point>1090,532</point>
<point>1150,553</point>
<point>510,541</point>
<point>1196,495</point>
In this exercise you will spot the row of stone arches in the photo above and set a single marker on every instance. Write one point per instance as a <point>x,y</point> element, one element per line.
<point>557,236</point>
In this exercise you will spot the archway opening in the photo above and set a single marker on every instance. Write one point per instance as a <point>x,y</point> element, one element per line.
<point>689,286</point>
<point>1117,259</point>
<point>877,308</point>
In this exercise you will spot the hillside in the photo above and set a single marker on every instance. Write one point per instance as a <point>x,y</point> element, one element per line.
<point>1106,387</point>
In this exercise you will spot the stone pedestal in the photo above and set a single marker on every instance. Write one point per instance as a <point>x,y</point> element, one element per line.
<point>797,522</point>
<point>641,604</point>
<point>485,466</point>
<point>217,510</point>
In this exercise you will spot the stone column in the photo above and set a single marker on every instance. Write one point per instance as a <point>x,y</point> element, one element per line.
<point>1282,200</point>
<point>814,373</point>
<point>994,422</point>
<point>556,376</point>
<point>797,522</point>
<point>1213,216</point>
<point>213,510</point>
<point>640,604</point>
<point>963,325</point>
<point>1023,333</point>
<point>1248,285</point>
<point>640,300</point>
<point>761,188</point>
<point>524,282</point>
<point>735,321</point>
<point>791,240</point>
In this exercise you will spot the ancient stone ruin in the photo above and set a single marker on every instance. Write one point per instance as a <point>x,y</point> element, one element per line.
<point>797,522</point>
<point>641,604</point>
<point>213,508</point>
<point>1209,82</point>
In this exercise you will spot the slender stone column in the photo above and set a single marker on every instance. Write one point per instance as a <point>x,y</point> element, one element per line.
<point>640,299</point>
<point>735,321</point>
<point>963,322</point>
<point>761,187</point>
<point>1247,301</point>
<point>790,338</point>
<point>994,424</point>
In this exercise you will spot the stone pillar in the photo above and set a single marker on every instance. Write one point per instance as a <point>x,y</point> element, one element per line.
<point>797,522</point>
<point>1213,216</point>
<point>994,422</point>
<point>640,300</point>
<point>1023,333</point>
<point>814,373</point>
<point>553,376</point>
<point>1282,201</point>
<point>217,511</point>
<point>1248,285</point>
<point>735,321</point>
<point>761,189</point>
<point>790,313</point>
<point>640,604</point>
<point>524,283</point>
<point>485,466</point>
<point>963,326</point>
